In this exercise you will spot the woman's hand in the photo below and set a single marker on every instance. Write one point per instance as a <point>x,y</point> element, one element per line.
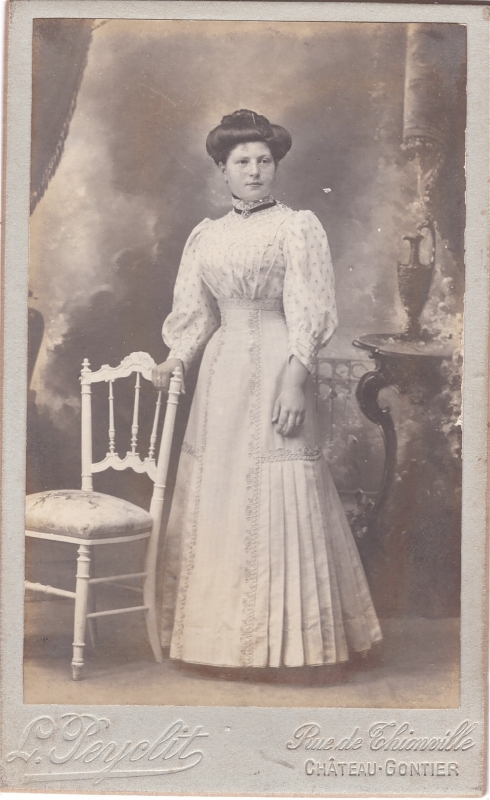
<point>289,410</point>
<point>161,374</point>
<point>290,407</point>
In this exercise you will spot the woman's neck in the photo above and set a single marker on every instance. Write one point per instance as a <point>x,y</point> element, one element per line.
<point>247,205</point>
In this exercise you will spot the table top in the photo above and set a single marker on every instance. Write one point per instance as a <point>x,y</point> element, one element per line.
<point>395,344</point>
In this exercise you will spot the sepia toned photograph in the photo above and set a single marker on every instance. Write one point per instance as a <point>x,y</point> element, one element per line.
<point>287,200</point>
<point>245,398</point>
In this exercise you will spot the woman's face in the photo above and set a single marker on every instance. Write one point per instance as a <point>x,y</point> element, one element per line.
<point>250,171</point>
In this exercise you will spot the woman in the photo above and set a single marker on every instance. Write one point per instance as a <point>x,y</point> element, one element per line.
<point>261,568</point>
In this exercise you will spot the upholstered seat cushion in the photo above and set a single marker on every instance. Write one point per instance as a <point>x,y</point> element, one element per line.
<point>84,515</point>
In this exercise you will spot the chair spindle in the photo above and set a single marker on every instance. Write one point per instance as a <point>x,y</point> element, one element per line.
<point>134,426</point>
<point>112,429</point>
<point>86,426</point>
<point>153,437</point>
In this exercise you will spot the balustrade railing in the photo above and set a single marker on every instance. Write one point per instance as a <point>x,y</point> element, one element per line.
<point>352,445</point>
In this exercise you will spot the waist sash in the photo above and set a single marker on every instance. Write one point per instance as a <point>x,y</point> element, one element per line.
<point>256,304</point>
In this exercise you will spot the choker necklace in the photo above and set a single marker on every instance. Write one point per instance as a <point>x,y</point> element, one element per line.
<point>245,209</point>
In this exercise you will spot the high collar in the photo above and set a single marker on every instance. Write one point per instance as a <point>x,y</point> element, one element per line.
<point>246,208</point>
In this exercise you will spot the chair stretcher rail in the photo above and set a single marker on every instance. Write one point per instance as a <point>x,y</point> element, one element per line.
<point>46,589</point>
<point>111,578</point>
<point>116,611</point>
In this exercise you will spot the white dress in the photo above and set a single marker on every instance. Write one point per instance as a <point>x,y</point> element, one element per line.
<point>260,565</point>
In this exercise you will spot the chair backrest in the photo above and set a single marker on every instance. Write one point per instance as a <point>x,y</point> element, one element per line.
<point>140,364</point>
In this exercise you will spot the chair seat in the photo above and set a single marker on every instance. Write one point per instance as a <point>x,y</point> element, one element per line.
<point>84,515</point>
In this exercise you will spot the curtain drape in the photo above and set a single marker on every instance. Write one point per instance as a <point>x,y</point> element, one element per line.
<point>60,49</point>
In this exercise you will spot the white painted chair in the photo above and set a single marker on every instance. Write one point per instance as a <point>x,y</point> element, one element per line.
<point>90,519</point>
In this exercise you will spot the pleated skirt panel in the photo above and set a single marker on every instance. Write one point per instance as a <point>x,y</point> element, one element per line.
<point>260,566</point>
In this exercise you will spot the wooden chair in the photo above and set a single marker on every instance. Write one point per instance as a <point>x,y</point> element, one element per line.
<point>89,518</point>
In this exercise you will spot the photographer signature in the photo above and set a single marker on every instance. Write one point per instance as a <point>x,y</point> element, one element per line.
<point>82,739</point>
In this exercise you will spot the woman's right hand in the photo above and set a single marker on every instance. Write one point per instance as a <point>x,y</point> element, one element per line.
<point>161,374</point>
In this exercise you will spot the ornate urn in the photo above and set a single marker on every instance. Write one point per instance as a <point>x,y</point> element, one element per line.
<point>414,280</point>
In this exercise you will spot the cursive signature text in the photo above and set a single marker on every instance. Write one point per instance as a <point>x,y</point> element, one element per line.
<point>82,739</point>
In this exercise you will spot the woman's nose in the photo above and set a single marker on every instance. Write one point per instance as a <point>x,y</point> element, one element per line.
<point>254,168</point>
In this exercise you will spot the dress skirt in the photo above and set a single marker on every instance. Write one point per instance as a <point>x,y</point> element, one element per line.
<point>261,568</point>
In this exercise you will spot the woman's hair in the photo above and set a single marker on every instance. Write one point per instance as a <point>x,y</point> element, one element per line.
<point>246,126</point>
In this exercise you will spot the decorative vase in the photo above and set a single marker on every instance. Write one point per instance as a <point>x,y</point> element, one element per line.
<point>414,280</point>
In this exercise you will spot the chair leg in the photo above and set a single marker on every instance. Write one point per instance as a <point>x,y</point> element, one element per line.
<point>149,600</point>
<point>81,598</point>
<point>92,604</point>
<point>153,633</point>
<point>92,623</point>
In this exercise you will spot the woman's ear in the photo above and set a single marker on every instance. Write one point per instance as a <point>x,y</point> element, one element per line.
<point>222,167</point>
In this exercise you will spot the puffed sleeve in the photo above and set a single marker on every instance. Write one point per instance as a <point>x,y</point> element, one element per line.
<point>195,315</point>
<point>309,290</point>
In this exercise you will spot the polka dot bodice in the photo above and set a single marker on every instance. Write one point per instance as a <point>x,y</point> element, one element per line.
<point>274,253</point>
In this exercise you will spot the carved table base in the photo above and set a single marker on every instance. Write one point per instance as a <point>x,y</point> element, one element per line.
<point>412,548</point>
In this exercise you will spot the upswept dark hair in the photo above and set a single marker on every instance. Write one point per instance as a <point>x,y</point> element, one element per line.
<point>246,126</point>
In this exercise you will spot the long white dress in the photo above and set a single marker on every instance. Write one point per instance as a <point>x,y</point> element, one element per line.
<point>260,565</point>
